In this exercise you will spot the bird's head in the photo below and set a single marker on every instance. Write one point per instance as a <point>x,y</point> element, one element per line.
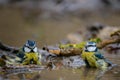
<point>30,47</point>
<point>91,47</point>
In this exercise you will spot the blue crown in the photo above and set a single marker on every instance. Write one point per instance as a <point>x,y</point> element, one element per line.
<point>30,44</point>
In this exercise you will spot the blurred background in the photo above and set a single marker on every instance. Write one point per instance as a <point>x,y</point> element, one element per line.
<point>49,21</point>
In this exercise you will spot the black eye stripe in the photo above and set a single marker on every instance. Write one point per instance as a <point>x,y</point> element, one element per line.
<point>30,47</point>
<point>91,46</point>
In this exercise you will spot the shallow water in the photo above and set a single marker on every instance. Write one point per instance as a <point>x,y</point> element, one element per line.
<point>64,72</point>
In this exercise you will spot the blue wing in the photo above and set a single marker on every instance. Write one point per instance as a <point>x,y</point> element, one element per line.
<point>99,56</point>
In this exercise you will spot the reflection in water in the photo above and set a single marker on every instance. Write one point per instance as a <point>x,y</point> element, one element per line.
<point>82,73</point>
<point>61,74</point>
<point>93,74</point>
<point>65,72</point>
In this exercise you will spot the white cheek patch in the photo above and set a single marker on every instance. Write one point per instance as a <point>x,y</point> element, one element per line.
<point>35,49</point>
<point>91,48</point>
<point>26,49</point>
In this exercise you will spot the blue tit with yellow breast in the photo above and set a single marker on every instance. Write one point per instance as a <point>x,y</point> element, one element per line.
<point>30,53</point>
<point>92,57</point>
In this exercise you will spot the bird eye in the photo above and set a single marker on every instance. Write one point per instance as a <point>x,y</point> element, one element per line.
<point>35,49</point>
<point>26,49</point>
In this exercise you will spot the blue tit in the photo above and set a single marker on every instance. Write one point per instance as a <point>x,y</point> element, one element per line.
<point>92,57</point>
<point>31,55</point>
